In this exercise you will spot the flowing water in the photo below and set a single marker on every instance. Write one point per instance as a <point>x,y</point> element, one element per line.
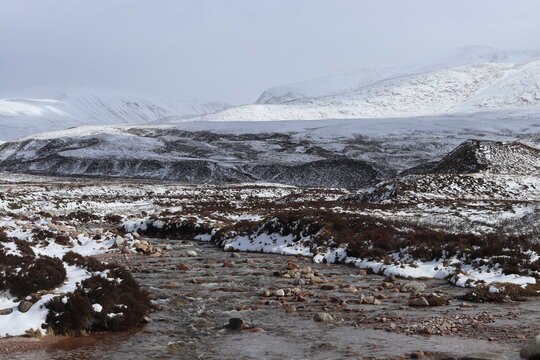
<point>196,303</point>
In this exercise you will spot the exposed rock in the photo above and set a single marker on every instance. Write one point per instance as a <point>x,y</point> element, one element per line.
<point>531,350</point>
<point>6,311</point>
<point>279,292</point>
<point>412,286</point>
<point>323,317</point>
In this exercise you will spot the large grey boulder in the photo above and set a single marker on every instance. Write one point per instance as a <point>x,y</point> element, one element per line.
<point>531,350</point>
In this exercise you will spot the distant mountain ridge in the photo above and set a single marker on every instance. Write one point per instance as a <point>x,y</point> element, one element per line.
<point>38,110</point>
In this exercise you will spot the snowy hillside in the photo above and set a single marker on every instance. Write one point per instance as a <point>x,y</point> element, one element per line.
<point>344,83</point>
<point>38,110</point>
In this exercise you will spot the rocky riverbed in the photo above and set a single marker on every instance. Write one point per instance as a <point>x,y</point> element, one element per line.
<point>294,309</point>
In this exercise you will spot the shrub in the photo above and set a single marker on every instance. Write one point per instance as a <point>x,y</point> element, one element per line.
<point>22,276</point>
<point>123,303</point>
<point>3,236</point>
<point>86,262</point>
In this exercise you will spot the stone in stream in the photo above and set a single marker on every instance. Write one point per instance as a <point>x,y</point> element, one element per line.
<point>483,356</point>
<point>329,287</point>
<point>419,301</point>
<point>436,300</point>
<point>235,324</point>
<point>183,267</point>
<point>412,286</point>
<point>279,292</point>
<point>24,306</point>
<point>141,247</point>
<point>190,253</point>
<point>531,350</point>
<point>323,317</point>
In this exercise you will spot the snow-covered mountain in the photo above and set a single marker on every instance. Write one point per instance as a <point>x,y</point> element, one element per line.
<point>462,89</point>
<point>344,83</point>
<point>38,110</point>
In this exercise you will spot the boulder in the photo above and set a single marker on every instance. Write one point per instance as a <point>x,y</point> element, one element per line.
<point>236,324</point>
<point>531,350</point>
<point>24,306</point>
<point>412,286</point>
<point>436,300</point>
<point>119,241</point>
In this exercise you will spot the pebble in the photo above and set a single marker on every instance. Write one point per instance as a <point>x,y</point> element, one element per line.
<point>279,292</point>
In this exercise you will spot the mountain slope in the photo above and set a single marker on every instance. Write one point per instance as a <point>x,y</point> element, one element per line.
<point>344,83</point>
<point>329,153</point>
<point>461,89</point>
<point>45,109</point>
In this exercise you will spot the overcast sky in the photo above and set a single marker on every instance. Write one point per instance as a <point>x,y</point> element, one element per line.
<point>231,50</point>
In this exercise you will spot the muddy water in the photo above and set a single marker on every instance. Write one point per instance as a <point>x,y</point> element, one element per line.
<point>196,303</point>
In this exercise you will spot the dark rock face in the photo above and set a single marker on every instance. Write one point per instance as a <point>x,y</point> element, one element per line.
<point>328,173</point>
